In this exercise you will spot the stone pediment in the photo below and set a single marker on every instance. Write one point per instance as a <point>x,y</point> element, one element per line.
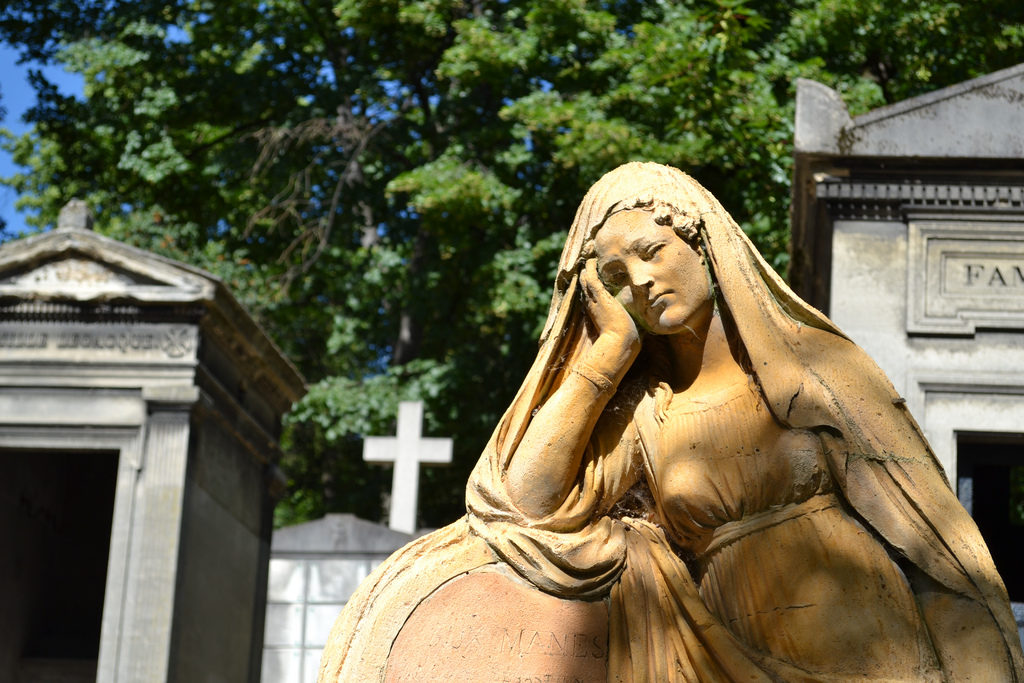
<point>337,533</point>
<point>81,266</point>
<point>980,118</point>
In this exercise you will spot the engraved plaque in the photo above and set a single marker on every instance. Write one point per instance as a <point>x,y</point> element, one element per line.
<point>99,341</point>
<point>488,626</point>
<point>963,275</point>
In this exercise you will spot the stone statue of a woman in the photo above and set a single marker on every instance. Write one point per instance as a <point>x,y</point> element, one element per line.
<point>712,457</point>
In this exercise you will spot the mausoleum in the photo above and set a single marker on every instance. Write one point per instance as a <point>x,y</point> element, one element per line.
<point>908,229</point>
<point>140,411</point>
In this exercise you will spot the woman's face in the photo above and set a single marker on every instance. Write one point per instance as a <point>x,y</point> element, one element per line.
<point>654,274</point>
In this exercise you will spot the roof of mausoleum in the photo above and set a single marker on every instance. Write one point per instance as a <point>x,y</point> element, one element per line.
<point>979,118</point>
<point>958,150</point>
<point>337,533</point>
<point>72,272</point>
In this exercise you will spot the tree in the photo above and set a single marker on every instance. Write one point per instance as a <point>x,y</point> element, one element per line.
<point>386,184</point>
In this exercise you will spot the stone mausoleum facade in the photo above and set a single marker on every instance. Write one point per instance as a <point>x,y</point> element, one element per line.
<point>908,229</point>
<point>140,412</point>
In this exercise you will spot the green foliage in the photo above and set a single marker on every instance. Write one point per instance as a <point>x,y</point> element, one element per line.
<point>386,183</point>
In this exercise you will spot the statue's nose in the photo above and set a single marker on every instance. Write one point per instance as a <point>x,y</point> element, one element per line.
<point>641,277</point>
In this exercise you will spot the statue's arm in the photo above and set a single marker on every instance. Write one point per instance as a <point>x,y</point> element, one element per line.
<point>547,460</point>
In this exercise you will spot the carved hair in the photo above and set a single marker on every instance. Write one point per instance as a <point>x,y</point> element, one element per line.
<point>685,224</point>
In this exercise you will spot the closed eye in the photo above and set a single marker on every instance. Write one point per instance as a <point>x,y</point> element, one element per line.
<point>649,252</point>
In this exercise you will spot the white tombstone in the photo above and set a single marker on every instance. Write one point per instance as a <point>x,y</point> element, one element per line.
<point>314,569</point>
<point>406,450</point>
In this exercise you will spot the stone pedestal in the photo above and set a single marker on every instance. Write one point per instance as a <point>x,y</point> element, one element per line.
<point>489,625</point>
<point>909,231</point>
<point>139,414</point>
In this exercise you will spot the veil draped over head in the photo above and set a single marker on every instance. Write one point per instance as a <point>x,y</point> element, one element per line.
<point>811,376</point>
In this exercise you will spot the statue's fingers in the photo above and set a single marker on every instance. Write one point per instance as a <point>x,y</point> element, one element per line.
<point>601,302</point>
<point>592,285</point>
<point>601,306</point>
<point>591,289</point>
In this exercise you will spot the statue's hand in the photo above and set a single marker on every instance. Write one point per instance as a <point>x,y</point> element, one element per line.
<point>618,340</point>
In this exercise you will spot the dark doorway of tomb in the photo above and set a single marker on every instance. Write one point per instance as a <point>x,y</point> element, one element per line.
<point>990,484</point>
<point>55,519</point>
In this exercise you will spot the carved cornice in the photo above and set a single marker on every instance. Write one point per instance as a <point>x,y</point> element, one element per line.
<point>859,200</point>
<point>59,311</point>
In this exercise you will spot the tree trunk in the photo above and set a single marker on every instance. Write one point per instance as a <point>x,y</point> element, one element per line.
<point>410,330</point>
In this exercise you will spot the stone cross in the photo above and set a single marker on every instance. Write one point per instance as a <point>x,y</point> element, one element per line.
<point>407,450</point>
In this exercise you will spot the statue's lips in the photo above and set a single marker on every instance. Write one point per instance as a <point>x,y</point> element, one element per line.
<point>660,298</point>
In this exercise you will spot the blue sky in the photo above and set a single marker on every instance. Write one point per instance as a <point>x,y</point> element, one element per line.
<point>16,96</point>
